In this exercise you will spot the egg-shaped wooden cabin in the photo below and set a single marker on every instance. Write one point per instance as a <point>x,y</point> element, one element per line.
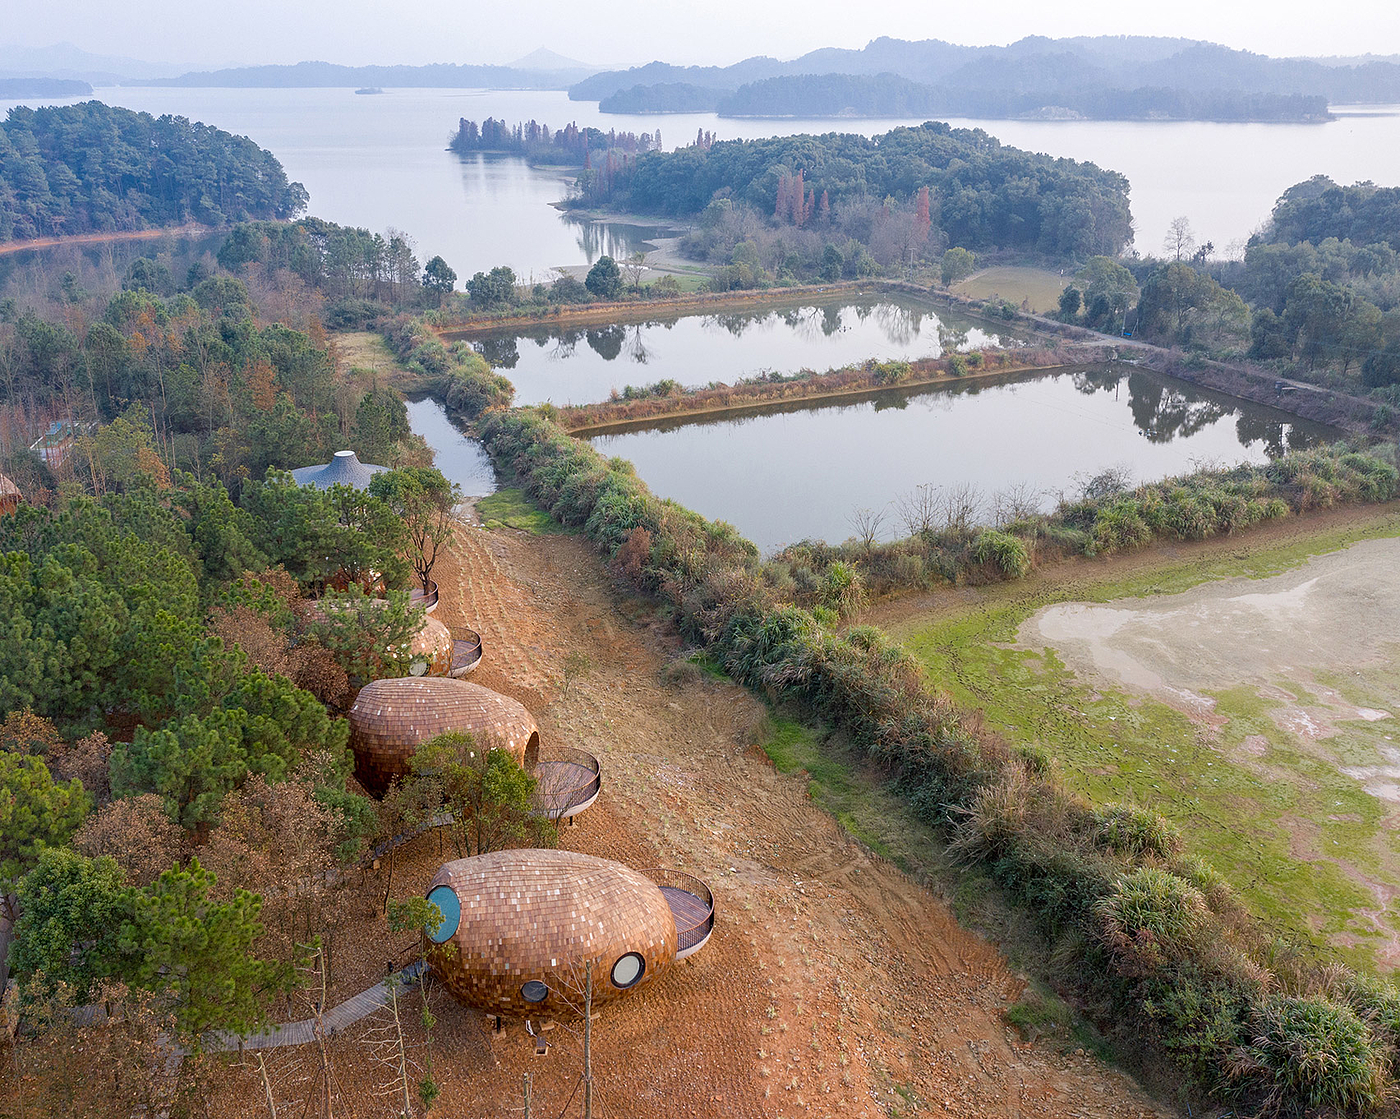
<point>391,718</point>
<point>432,648</point>
<point>520,927</point>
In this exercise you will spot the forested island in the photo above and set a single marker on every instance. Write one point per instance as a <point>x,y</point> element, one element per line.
<point>890,95</point>
<point>978,192</point>
<point>92,167</point>
<point>570,146</point>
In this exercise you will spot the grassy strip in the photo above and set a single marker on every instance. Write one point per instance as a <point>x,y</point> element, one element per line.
<point>1153,940</point>
<point>668,400</point>
<point>639,309</point>
<point>513,508</point>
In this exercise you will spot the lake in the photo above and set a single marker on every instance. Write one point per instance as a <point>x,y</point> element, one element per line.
<point>803,473</point>
<point>586,365</point>
<point>381,161</point>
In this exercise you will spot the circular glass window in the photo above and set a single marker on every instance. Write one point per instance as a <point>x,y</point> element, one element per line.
<point>534,991</point>
<point>628,970</point>
<point>444,900</point>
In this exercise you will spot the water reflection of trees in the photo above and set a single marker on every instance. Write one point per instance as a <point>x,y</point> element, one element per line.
<point>607,341</point>
<point>601,238</point>
<point>499,350</point>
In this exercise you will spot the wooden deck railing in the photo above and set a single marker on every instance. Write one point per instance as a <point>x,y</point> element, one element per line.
<point>466,653</point>
<point>692,904</point>
<point>568,781</point>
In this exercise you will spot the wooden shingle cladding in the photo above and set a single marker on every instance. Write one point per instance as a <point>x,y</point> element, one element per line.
<point>433,643</point>
<point>544,915</point>
<point>391,718</point>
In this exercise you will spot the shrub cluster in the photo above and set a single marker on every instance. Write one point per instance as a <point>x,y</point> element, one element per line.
<point>1157,941</point>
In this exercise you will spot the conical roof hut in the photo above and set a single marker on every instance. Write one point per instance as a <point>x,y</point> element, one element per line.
<point>391,717</point>
<point>345,469</point>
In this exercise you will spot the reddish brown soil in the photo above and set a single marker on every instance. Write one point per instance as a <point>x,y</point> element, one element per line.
<point>101,238</point>
<point>831,981</point>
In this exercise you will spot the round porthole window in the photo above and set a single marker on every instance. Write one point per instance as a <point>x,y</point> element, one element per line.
<point>444,900</point>
<point>534,991</point>
<point>628,970</point>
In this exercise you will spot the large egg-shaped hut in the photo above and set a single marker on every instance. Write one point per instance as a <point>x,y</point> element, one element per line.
<point>391,717</point>
<point>519,929</point>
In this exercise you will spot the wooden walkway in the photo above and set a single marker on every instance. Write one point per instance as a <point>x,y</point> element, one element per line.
<point>332,1021</point>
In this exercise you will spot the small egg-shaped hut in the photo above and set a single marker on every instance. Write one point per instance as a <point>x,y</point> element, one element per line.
<point>432,647</point>
<point>391,717</point>
<point>519,929</point>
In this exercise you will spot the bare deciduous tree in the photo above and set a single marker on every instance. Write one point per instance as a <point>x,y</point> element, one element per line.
<point>962,504</point>
<point>918,511</point>
<point>867,524</point>
<point>137,833</point>
<point>1180,241</point>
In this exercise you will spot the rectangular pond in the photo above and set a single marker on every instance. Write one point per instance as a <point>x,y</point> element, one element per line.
<point>581,365</point>
<point>806,471</point>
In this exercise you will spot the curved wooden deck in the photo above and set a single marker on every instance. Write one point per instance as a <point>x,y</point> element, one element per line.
<point>568,781</point>
<point>428,601</point>
<point>466,654</point>
<point>692,905</point>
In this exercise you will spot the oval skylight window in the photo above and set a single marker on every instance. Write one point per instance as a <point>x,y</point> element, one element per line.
<point>444,899</point>
<point>628,970</point>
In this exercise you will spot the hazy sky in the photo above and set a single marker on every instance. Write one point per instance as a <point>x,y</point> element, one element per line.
<point>212,32</point>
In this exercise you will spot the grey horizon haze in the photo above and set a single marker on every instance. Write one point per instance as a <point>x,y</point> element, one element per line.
<point>197,34</point>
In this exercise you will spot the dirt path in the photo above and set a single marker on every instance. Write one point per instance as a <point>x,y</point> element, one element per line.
<point>103,238</point>
<point>832,980</point>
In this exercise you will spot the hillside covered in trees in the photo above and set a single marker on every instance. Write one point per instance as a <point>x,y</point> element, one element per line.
<point>92,167</point>
<point>1315,295</point>
<point>981,194</point>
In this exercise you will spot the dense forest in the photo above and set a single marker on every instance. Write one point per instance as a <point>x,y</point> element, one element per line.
<point>981,193</point>
<point>1316,293</point>
<point>890,95</point>
<point>87,167</point>
<point>568,146</point>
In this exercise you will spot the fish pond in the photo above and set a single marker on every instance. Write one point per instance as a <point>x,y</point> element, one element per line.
<point>583,365</point>
<point>816,471</point>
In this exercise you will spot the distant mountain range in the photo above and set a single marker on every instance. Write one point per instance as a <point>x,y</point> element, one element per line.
<point>1103,77</point>
<point>1035,76</point>
<point>442,75</point>
<point>64,60</point>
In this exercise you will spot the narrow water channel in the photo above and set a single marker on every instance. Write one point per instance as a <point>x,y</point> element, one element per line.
<point>461,460</point>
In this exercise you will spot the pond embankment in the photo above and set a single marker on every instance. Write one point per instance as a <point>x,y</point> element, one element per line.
<point>641,310</point>
<point>853,385</point>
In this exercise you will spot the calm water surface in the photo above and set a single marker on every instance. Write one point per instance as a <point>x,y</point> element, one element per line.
<point>460,459</point>
<point>582,366</point>
<point>783,477</point>
<point>381,161</point>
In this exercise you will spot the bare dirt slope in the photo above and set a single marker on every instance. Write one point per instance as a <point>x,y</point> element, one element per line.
<point>832,986</point>
<point>832,980</point>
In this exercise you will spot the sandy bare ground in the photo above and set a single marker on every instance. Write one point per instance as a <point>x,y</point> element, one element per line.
<point>1338,611</point>
<point>831,979</point>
